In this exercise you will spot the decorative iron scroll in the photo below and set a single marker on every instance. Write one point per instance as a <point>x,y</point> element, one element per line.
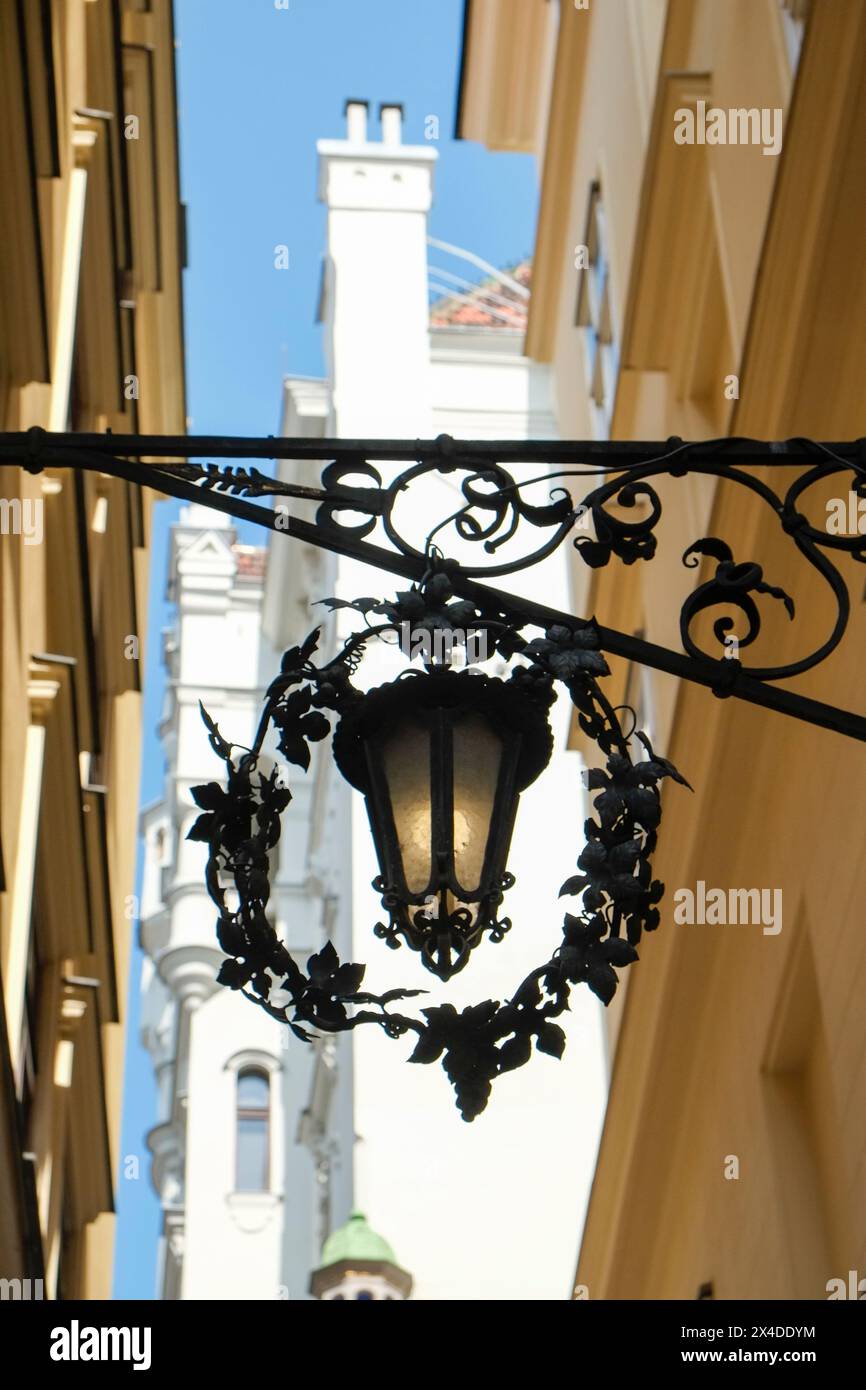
<point>494,508</point>
<point>240,823</point>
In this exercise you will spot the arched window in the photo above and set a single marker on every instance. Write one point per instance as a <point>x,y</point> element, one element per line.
<point>253,1131</point>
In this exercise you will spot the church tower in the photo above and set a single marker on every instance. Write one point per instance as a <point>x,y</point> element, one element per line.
<point>358,1264</point>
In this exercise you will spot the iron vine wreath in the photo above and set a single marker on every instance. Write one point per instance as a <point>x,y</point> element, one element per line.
<point>241,824</point>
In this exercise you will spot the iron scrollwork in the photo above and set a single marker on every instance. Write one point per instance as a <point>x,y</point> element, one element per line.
<point>494,507</point>
<point>624,510</point>
<point>631,539</point>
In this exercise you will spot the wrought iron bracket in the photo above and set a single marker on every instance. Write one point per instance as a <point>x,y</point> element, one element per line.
<point>240,822</point>
<point>494,508</point>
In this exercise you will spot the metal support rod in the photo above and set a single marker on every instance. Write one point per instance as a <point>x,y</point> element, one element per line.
<point>715,675</point>
<point>601,453</point>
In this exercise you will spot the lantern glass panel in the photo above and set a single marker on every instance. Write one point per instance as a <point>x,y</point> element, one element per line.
<point>406,763</point>
<point>477,762</point>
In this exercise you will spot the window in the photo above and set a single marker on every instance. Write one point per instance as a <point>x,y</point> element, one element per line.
<point>594,314</point>
<point>253,1131</point>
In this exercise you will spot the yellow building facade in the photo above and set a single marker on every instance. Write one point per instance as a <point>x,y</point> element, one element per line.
<point>91,230</point>
<point>700,290</point>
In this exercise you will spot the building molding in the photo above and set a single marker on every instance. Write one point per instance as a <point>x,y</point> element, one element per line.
<point>550,258</point>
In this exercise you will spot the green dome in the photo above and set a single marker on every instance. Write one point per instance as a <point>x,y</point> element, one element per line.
<point>355,1241</point>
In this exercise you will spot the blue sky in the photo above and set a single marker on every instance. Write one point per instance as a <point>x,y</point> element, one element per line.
<point>257,87</point>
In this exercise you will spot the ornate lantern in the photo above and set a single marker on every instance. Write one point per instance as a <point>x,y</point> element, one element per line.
<point>442,758</point>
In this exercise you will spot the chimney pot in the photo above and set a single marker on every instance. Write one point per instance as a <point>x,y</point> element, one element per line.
<point>356,121</point>
<point>391,117</point>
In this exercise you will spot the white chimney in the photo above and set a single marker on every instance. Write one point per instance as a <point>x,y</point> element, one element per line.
<point>391,117</point>
<point>356,122</point>
<point>375,303</point>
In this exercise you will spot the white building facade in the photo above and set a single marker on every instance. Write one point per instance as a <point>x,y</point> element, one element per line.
<point>487,1210</point>
<point>476,1212</point>
<point>242,1194</point>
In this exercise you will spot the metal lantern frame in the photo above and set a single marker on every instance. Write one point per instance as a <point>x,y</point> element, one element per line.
<point>544,649</point>
<point>436,701</point>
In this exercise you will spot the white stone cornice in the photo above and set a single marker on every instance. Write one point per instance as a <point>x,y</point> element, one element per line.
<point>42,691</point>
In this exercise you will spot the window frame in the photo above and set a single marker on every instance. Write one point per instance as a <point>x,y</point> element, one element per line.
<point>255,1113</point>
<point>593,315</point>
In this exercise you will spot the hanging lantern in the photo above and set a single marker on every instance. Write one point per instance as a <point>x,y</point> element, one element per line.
<point>442,758</point>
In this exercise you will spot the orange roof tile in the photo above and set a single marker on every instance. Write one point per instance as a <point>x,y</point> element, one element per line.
<point>483,307</point>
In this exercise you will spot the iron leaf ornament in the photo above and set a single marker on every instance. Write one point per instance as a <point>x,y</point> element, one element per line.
<point>240,822</point>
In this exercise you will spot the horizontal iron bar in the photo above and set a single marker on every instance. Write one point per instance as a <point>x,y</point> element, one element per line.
<point>620,453</point>
<point>92,452</point>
